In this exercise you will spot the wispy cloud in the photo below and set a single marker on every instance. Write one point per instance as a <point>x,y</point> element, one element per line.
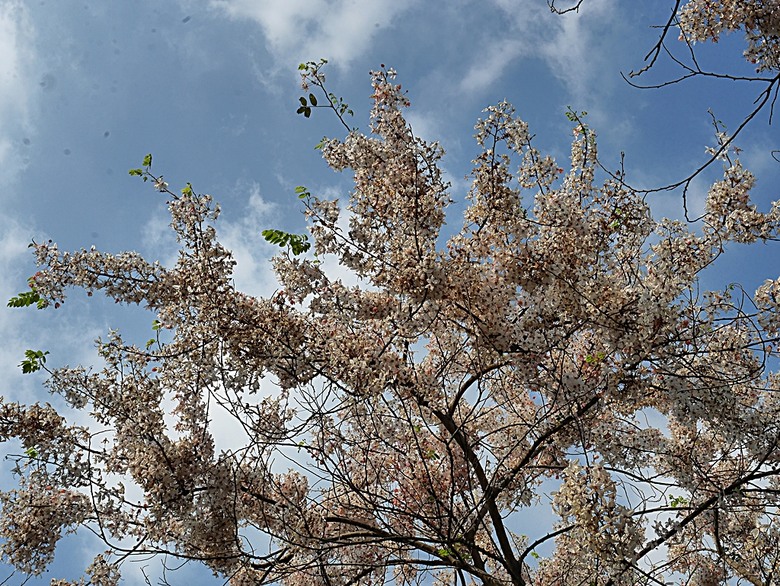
<point>571,49</point>
<point>566,43</point>
<point>496,57</point>
<point>253,273</point>
<point>16,32</point>
<point>298,30</point>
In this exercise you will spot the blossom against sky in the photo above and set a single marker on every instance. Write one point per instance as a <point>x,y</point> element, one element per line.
<point>87,89</point>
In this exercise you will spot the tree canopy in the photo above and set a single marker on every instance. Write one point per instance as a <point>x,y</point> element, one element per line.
<point>541,394</point>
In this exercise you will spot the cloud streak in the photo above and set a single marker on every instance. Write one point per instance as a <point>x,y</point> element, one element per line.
<point>565,43</point>
<point>300,30</point>
<point>16,33</point>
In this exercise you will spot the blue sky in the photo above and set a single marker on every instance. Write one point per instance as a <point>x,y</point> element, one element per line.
<point>210,88</point>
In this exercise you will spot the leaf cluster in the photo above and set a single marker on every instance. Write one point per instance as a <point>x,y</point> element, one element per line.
<point>297,243</point>
<point>27,298</point>
<point>34,361</point>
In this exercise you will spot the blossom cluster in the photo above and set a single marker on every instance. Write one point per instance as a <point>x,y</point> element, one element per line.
<point>703,20</point>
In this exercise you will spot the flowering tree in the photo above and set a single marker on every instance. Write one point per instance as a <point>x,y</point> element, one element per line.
<point>551,356</point>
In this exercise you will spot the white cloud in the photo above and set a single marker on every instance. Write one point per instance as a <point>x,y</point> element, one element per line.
<point>159,239</point>
<point>496,57</point>
<point>759,159</point>
<point>568,44</point>
<point>300,30</point>
<point>14,240</point>
<point>13,28</point>
<point>253,273</point>
<point>572,50</point>
<point>15,84</point>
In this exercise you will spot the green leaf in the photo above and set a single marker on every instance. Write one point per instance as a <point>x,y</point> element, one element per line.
<point>187,189</point>
<point>573,115</point>
<point>307,112</point>
<point>148,160</point>
<point>303,101</point>
<point>313,99</point>
<point>31,452</point>
<point>273,236</point>
<point>138,172</point>
<point>156,325</point>
<point>297,243</point>
<point>34,360</point>
<point>595,358</point>
<point>27,298</point>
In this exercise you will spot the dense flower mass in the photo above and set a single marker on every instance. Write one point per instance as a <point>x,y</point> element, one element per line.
<point>704,20</point>
<point>552,354</point>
